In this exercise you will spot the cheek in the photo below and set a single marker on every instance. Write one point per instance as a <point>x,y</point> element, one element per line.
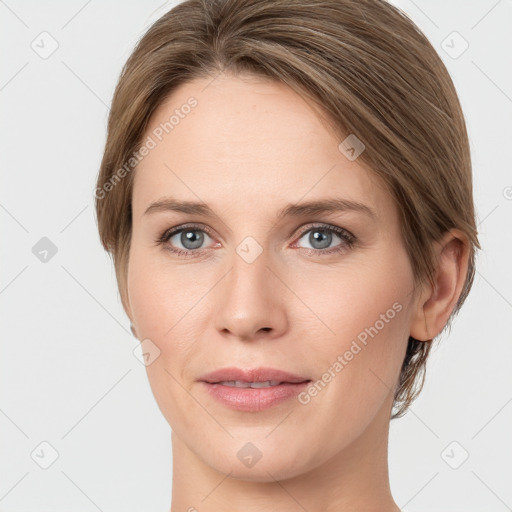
<point>365,314</point>
<point>367,295</point>
<point>160,293</point>
<point>169,304</point>
<point>162,302</point>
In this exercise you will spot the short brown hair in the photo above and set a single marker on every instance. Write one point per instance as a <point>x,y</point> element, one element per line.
<point>369,69</point>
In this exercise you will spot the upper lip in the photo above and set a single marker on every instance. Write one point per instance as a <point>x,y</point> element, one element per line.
<point>251,375</point>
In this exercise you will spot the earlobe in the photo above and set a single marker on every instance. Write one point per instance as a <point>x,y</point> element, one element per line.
<point>438,299</point>
<point>419,329</point>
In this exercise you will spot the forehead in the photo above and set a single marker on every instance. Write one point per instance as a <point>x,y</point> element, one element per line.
<point>247,140</point>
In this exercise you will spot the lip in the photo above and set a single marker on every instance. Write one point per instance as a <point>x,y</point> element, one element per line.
<point>252,375</point>
<point>253,399</point>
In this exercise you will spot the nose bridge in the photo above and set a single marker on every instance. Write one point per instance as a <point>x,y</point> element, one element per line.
<point>250,265</point>
<point>248,301</point>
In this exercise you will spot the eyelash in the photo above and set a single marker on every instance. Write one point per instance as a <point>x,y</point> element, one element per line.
<point>348,238</point>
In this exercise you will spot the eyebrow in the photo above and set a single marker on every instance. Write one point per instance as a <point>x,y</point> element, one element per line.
<point>291,210</point>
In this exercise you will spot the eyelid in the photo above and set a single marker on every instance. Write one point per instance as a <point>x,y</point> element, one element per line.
<point>191,225</point>
<point>326,226</point>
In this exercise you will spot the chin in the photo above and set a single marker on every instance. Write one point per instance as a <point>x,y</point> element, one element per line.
<point>263,471</point>
<point>260,460</point>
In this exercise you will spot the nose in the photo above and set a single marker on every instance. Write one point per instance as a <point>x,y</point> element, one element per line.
<point>251,300</point>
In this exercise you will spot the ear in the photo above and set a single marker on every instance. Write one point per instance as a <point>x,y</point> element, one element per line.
<point>437,300</point>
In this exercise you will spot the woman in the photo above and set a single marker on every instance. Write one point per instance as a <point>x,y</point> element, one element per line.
<point>286,193</point>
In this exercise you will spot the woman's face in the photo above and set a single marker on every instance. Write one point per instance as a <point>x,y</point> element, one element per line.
<point>325,295</point>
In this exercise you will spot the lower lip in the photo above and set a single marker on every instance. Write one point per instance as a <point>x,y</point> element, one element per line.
<point>254,399</point>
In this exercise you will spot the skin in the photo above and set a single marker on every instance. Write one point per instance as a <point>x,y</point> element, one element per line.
<point>247,149</point>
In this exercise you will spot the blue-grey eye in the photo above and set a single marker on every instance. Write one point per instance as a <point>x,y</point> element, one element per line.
<point>322,238</point>
<point>189,238</point>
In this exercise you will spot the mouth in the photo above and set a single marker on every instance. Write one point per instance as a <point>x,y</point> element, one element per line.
<point>253,390</point>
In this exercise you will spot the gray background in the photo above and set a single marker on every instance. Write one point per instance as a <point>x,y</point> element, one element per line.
<point>68,374</point>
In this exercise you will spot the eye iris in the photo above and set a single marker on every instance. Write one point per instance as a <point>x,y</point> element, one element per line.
<point>193,238</point>
<point>320,235</point>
